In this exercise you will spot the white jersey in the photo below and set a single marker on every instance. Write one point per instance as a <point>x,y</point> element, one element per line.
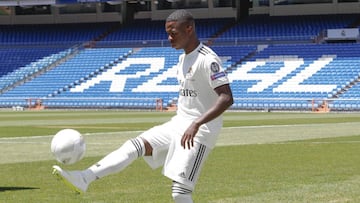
<point>199,73</point>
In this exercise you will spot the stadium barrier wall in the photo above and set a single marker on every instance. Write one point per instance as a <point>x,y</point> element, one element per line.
<point>158,104</point>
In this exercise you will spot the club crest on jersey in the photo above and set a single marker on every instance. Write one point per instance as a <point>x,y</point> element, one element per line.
<point>189,74</point>
<point>214,67</point>
<point>190,70</point>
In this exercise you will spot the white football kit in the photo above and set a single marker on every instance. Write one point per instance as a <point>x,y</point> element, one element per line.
<point>198,73</point>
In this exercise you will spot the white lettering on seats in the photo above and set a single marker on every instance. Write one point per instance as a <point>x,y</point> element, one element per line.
<point>243,73</point>
<point>152,84</point>
<point>118,80</point>
<point>293,84</point>
<point>291,63</point>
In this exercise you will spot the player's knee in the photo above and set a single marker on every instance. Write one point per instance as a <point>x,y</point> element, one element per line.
<point>148,147</point>
<point>137,146</point>
<point>181,193</point>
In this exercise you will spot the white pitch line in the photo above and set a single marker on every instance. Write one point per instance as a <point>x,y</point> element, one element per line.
<point>288,125</point>
<point>136,131</point>
<point>330,142</point>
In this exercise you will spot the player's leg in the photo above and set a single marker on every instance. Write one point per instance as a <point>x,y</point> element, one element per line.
<point>183,166</point>
<point>118,159</point>
<point>181,193</point>
<point>158,140</point>
<point>114,162</point>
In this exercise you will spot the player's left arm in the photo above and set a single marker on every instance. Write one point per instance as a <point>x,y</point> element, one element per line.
<point>223,102</point>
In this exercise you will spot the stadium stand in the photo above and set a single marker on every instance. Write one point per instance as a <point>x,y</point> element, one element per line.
<point>293,75</point>
<point>296,75</point>
<point>147,30</point>
<point>60,35</point>
<point>293,28</point>
<point>117,86</point>
<point>21,64</point>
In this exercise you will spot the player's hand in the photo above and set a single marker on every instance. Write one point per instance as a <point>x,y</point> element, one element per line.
<point>187,139</point>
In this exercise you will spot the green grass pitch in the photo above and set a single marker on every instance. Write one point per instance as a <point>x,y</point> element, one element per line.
<point>260,157</point>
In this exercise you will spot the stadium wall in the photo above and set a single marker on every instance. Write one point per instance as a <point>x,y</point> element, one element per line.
<point>211,12</point>
<point>314,9</point>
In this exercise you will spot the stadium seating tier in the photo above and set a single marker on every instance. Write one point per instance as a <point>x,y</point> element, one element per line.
<point>291,76</point>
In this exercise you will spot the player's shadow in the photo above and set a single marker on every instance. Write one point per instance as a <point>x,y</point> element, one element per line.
<point>3,189</point>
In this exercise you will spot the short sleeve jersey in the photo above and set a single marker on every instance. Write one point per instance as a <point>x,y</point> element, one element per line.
<point>199,73</point>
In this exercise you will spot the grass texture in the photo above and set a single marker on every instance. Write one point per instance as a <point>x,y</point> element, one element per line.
<point>260,157</point>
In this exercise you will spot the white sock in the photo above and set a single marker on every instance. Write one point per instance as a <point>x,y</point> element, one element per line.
<point>181,193</point>
<point>117,160</point>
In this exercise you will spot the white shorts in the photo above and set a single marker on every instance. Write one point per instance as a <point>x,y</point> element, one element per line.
<point>180,165</point>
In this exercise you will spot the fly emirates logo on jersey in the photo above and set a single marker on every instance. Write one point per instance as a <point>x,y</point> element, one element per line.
<point>153,78</point>
<point>187,93</point>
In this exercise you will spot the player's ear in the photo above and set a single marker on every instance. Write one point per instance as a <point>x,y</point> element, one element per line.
<point>189,28</point>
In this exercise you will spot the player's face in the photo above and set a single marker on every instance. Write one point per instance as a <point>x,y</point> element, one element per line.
<point>177,34</point>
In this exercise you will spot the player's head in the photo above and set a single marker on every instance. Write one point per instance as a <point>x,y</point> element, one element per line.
<point>180,27</point>
<point>181,16</point>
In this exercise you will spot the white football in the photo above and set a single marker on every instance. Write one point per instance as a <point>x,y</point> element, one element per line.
<point>68,146</point>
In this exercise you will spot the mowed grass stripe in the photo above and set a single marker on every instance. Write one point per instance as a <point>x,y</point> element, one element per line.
<point>27,149</point>
<point>31,123</point>
<point>311,161</point>
<point>281,133</point>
